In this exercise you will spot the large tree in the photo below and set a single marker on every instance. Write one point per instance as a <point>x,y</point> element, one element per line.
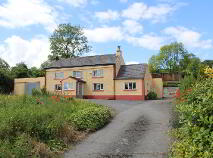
<point>68,41</point>
<point>168,59</point>
<point>20,70</point>
<point>4,65</point>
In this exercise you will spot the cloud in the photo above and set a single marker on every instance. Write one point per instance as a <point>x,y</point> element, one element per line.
<point>132,26</point>
<point>131,62</point>
<point>75,3</point>
<point>104,34</point>
<point>23,13</point>
<point>140,10</point>
<point>148,41</point>
<point>189,37</point>
<point>33,52</point>
<point>107,15</point>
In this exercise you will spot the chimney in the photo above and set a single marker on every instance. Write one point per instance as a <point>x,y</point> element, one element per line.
<point>119,59</point>
<point>118,51</point>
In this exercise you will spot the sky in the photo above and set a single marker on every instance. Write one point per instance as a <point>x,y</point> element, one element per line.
<point>140,27</point>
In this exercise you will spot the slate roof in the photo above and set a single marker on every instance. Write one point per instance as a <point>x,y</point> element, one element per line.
<point>108,59</point>
<point>135,71</point>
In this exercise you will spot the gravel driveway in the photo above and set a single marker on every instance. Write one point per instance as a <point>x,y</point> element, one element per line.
<point>139,130</point>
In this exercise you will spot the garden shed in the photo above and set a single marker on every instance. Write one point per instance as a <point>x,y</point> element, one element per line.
<point>25,85</point>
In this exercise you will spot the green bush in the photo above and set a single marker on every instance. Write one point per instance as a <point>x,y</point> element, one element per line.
<point>91,118</point>
<point>36,92</point>
<point>35,126</point>
<point>195,136</point>
<point>186,83</point>
<point>151,95</point>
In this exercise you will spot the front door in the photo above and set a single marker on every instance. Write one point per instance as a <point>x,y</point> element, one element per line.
<point>79,90</point>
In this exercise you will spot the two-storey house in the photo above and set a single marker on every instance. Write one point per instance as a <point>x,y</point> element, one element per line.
<point>97,77</point>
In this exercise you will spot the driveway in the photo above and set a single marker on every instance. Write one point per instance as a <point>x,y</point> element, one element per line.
<point>139,130</point>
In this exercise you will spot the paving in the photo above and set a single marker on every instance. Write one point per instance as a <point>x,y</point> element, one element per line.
<point>139,130</point>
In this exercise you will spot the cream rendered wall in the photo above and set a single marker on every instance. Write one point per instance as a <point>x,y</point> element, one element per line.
<point>147,81</point>
<point>157,85</point>
<point>19,84</point>
<point>119,87</point>
<point>107,79</point>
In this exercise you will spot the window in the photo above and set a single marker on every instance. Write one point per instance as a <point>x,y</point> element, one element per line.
<point>59,75</point>
<point>130,86</point>
<point>97,73</point>
<point>58,87</point>
<point>77,74</point>
<point>68,86</point>
<point>98,86</point>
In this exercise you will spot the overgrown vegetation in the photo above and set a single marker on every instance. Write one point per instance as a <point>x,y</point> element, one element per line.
<point>194,136</point>
<point>45,126</point>
<point>151,95</point>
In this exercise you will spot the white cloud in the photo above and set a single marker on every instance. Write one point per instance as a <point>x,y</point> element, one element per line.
<point>139,10</point>
<point>33,52</point>
<point>132,26</point>
<point>104,34</point>
<point>75,3</point>
<point>107,15</point>
<point>147,41</point>
<point>132,62</point>
<point>189,37</point>
<point>22,13</point>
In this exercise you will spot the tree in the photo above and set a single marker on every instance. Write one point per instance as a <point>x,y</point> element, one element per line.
<point>20,71</point>
<point>208,63</point>
<point>35,72</point>
<point>168,59</point>
<point>4,65</point>
<point>6,81</point>
<point>68,41</point>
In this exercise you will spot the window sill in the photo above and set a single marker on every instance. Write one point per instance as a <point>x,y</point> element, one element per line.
<point>69,90</point>
<point>58,90</point>
<point>98,90</point>
<point>97,77</point>
<point>58,78</point>
<point>130,90</point>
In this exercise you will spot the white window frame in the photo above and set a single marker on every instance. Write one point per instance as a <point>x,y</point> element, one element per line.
<point>101,86</point>
<point>59,75</point>
<point>98,73</point>
<point>57,87</point>
<point>77,74</point>
<point>70,86</point>
<point>130,87</point>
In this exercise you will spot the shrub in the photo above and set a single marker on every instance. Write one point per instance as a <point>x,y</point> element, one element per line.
<point>36,92</point>
<point>194,138</point>
<point>91,118</point>
<point>186,83</point>
<point>151,95</point>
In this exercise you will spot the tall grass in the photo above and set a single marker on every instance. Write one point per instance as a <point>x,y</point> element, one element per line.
<point>45,126</point>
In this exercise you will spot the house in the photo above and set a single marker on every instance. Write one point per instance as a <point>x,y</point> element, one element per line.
<point>93,77</point>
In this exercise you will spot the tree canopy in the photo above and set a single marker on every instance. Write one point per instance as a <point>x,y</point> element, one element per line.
<point>168,59</point>
<point>4,65</point>
<point>68,41</point>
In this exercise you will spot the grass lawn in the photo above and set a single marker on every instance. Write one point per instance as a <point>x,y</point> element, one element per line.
<point>46,126</point>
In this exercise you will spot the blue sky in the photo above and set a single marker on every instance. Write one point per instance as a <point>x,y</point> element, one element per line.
<point>141,27</point>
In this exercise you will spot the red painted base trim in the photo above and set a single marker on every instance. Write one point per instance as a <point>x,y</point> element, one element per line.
<point>70,96</point>
<point>107,97</point>
<point>129,97</point>
<point>117,97</point>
